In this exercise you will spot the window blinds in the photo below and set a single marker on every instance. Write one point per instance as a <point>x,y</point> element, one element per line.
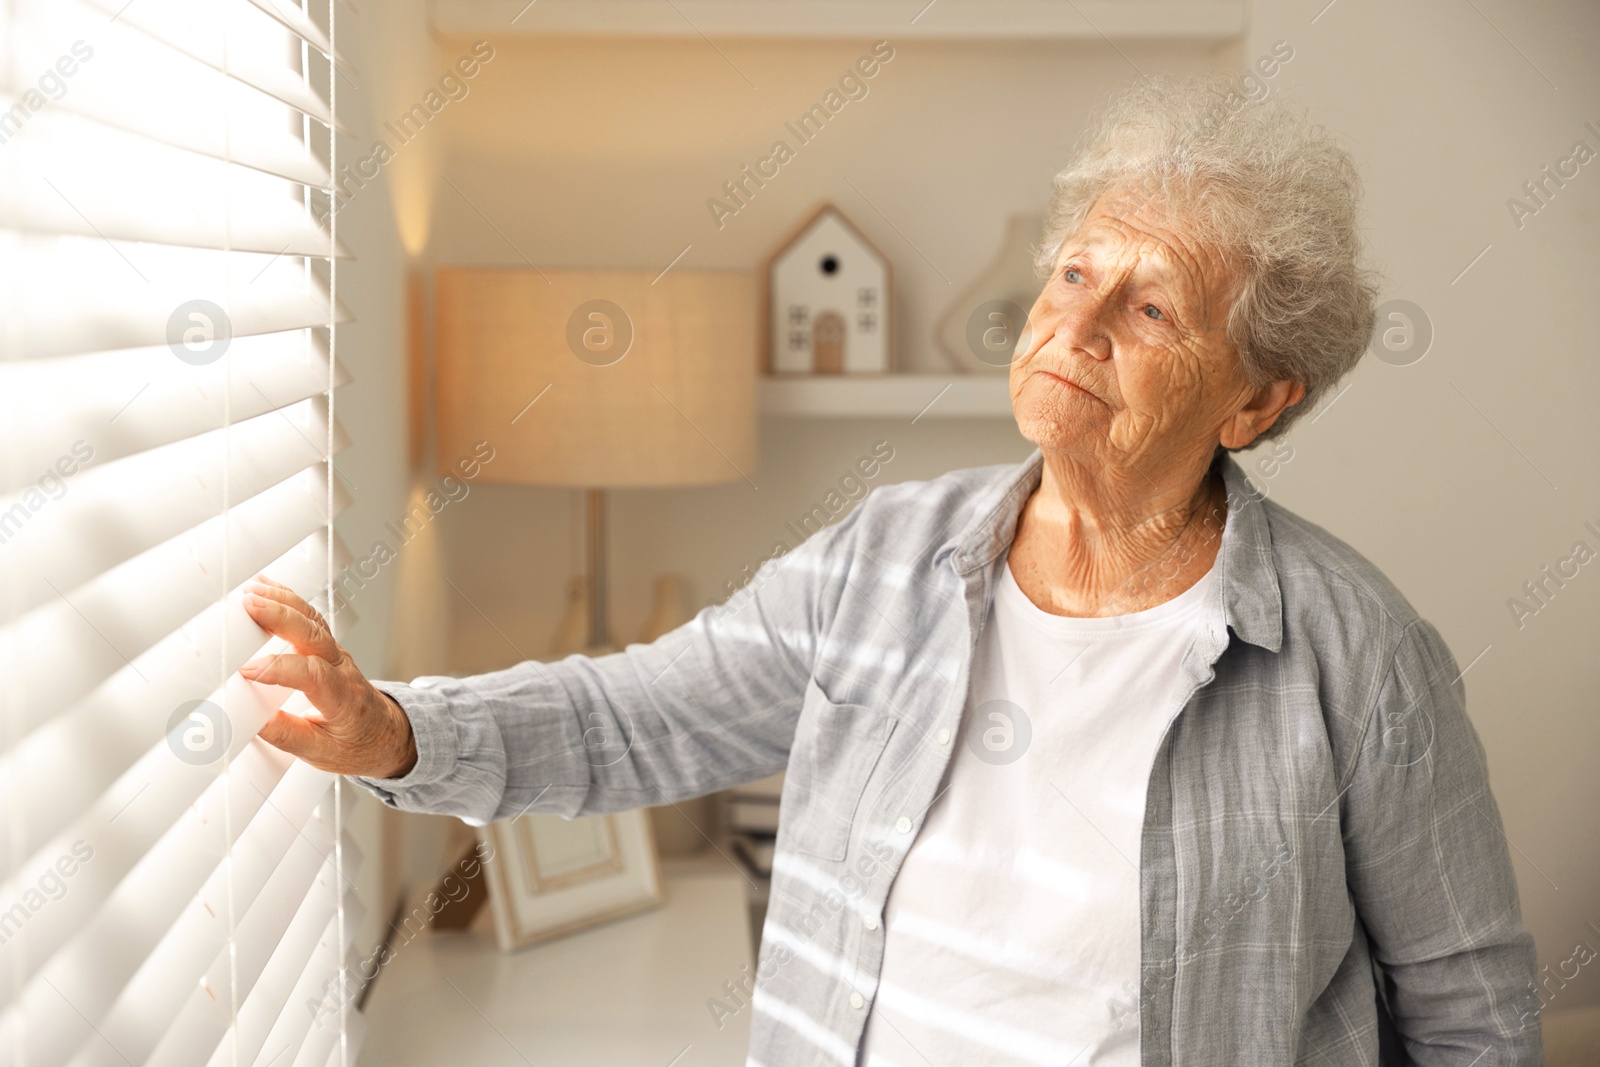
<point>172,890</point>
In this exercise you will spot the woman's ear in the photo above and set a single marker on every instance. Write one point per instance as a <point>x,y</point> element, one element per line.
<point>1260,412</point>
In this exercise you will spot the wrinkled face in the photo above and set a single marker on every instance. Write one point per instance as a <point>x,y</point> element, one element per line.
<point>1126,361</point>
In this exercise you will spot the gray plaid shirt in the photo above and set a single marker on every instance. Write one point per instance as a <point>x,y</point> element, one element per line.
<point>1319,836</point>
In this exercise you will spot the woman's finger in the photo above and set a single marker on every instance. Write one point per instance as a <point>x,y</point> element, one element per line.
<point>284,595</point>
<point>311,675</point>
<point>300,630</point>
<point>296,736</point>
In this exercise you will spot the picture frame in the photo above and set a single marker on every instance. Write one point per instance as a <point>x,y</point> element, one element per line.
<point>552,876</point>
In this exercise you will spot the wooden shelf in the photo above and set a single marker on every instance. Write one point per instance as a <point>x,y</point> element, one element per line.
<point>908,396</point>
<point>1085,20</point>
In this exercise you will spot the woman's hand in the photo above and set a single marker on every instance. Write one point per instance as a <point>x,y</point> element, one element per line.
<point>361,730</point>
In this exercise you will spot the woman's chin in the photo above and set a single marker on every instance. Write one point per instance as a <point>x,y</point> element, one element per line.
<point>1056,424</point>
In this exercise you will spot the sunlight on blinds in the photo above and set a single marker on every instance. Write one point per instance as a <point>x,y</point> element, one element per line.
<point>172,890</point>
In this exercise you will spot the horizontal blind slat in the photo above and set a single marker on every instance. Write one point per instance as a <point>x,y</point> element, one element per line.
<point>150,942</point>
<point>273,944</point>
<point>230,35</point>
<point>280,990</point>
<point>270,878</point>
<point>296,21</point>
<point>81,294</point>
<point>65,56</point>
<point>124,402</point>
<point>53,183</point>
<point>356,1032</point>
<point>143,802</point>
<point>299,1015</point>
<point>106,734</point>
<point>137,884</point>
<point>64,649</point>
<point>109,514</point>
<point>320,1046</point>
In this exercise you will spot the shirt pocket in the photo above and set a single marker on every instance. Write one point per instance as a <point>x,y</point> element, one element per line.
<point>836,748</point>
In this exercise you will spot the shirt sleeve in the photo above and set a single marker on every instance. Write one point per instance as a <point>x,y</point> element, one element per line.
<point>1430,871</point>
<point>709,705</point>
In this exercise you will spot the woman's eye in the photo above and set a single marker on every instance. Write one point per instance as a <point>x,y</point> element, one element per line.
<point>1153,312</point>
<point>1072,276</point>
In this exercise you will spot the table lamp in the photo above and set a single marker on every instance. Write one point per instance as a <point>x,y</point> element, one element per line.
<point>598,379</point>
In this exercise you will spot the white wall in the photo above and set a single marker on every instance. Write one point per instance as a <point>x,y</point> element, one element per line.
<point>583,153</point>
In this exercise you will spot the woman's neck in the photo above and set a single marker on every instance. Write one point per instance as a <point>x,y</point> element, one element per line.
<point>1096,541</point>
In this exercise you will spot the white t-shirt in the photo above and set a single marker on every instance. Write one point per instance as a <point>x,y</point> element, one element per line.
<point>1012,929</point>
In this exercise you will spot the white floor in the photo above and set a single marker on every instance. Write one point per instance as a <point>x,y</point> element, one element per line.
<point>632,992</point>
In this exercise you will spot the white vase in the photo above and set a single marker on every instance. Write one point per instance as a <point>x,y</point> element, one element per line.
<point>975,333</point>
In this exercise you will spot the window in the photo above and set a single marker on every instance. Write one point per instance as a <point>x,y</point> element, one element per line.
<point>171,889</point>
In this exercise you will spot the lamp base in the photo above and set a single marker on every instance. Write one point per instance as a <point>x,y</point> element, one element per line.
<point>595,557</point>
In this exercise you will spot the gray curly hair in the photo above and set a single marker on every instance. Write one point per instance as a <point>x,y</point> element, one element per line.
<point>1269,189</point>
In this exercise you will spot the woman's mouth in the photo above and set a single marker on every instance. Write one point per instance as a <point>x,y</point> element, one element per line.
<point>1068,383</point>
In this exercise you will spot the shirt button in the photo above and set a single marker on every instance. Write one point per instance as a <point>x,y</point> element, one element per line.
<point>857,1001</point>
<point>944,737</point>
<point>903,824</point>
<point>870,922</point>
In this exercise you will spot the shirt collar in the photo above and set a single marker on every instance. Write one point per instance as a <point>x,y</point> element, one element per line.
<point>1251,599</point>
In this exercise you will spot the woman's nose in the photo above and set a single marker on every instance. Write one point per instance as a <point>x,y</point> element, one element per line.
<point>1079,326</point>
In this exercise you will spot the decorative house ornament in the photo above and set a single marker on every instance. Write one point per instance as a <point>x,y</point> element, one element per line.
<point>828,301</point>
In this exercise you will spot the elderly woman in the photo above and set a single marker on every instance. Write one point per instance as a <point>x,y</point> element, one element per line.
<point>1098,759</point>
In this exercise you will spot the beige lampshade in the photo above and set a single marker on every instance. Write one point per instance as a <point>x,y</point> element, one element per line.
<point>598,378</point>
